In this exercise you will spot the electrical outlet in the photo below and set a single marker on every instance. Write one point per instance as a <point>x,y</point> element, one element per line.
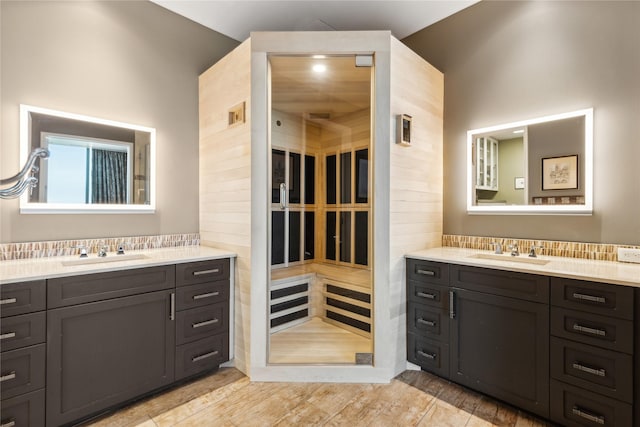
<point>629,255</point>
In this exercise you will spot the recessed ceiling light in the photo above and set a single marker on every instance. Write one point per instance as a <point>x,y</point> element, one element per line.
<point>319,68</point>
<point>319,56</point>
<point>519,131</point>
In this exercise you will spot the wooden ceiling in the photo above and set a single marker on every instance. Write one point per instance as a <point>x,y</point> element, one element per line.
<point>343,88</point>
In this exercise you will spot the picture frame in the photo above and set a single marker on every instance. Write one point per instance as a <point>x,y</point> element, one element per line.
<point>560,173</point>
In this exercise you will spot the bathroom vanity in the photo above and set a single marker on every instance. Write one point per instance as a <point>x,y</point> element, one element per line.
<point>555,338</point>
<point>79,340</point>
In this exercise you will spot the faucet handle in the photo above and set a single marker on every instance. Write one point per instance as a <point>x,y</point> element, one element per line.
<point>121,246</point>
<point>514,249</point>
<point>83,250</point>
<point>532,251</point>
<point>498,247</point>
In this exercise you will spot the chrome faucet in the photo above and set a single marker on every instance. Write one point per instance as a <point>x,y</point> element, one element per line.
<point>532,251</point>
<point>498,247</point>
<point>121,246</point>
<point>103,251</point>
<point>83,251</point>
<point>514,250</point>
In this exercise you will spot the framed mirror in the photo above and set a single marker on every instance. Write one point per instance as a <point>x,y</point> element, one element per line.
<point>94,165</point>
<point>535,166</point>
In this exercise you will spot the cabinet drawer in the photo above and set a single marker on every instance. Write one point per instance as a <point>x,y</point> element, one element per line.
<point>428,271</point>
<point>201,322</point>
<point>432,356</point>
<point>201,294</point>
<point>601,371</point>
<point>428,322</point>
<point>74,290</point>
<point>529,287</point>
<point>23,331</point>
<point>601,331</point>
<point>428,294</point>
<point>571,406</point>
<point>201,355</point>
<point>202,271</point>
<point>23,297</point>
<point>597,298</point>
<point>26,410</point>
<point>22,370</point>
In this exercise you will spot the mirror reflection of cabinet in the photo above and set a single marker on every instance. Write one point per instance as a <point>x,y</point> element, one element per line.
<point>346,223</point>
<point>293,222</point>
<point>487,164</point>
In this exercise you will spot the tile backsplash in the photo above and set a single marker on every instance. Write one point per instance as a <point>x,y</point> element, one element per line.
<point>597,251</point>
<point>11,251</point>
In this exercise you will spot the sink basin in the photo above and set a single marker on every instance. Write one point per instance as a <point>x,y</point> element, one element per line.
<point>98,260</point>
<point>506,257</point>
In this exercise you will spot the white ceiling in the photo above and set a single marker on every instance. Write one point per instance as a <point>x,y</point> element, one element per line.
<point>236,19</point>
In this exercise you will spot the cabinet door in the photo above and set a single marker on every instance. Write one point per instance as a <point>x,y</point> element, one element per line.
<point>103,353</point>
<point>500,346</point>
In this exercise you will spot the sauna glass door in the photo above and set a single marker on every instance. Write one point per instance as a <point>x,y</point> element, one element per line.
<point>320,284</point>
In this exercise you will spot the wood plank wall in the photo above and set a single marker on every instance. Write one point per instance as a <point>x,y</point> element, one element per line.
<point>416,174</point>
<point>225,178</point>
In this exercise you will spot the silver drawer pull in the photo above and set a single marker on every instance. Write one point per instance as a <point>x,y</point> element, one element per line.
<point>426,295</point>
<point>8,301</point>
<point>589,370</point>
<point>591,331</point>
<point>207,295</point>
<point>204,356</point>
<point>7,335</point>
<point>8,377</point>
<point>426,272</point>
<point>10,423</point>
<point>591,298</point>
<point>201,272</point>
<point>431,356</point>
<point>426,322</point>
<point>598,419</point>
<point>205,323</point>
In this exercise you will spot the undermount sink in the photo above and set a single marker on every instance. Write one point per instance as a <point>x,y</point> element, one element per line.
<point>509,258</point>
<point>102,260</point>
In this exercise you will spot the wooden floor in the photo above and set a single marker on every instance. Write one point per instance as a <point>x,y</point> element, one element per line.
<point>318,342</point>
<point>228,398</point>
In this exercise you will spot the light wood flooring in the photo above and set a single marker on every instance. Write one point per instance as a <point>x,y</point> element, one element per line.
<point>228,398</point>
<point>316,342</point>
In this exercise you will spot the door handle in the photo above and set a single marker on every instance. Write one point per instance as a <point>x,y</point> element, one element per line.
<point>452,310</point>
<point>283,195</point>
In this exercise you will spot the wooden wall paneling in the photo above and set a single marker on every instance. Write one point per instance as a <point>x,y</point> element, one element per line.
<point>225,178</point>
<point>416,172</point>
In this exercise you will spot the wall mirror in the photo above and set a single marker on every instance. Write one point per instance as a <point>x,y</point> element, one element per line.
<point>535,166</point>
<point>94,165</point>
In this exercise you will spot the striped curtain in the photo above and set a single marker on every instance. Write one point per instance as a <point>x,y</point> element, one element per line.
<point>109,177</point>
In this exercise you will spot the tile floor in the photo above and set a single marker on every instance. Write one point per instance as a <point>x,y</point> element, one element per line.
<point>228,398</point>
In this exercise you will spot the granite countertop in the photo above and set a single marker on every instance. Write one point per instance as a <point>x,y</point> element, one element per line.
<point>618,273</point>
<point>50,267</point>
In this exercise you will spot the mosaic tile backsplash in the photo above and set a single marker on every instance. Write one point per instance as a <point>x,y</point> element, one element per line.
<point>11,251</point>
<point>596,251</point>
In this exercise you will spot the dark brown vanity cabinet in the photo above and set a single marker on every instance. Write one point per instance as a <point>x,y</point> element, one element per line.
<point>202,317</point>
<point>592,353</point>
<point>110,338</point>
<point>499,341</point>
<point>564,349</point>
<point>428,316</point>
<point>22,360</point>
<point>76,346</point>
<point>483,328</point>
